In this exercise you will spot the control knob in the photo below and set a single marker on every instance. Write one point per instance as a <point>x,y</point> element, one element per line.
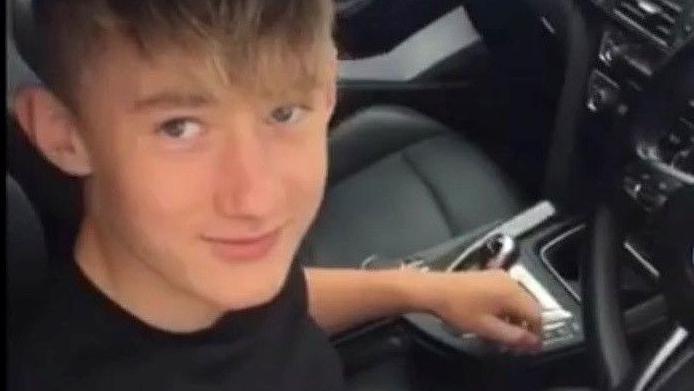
<point>602,98</point>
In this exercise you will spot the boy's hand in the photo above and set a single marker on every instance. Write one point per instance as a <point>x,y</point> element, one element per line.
<point>488,303</point>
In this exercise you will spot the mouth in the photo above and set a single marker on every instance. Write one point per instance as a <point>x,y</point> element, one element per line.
<point>248,248</point>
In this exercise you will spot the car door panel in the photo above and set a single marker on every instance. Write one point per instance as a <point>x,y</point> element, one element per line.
<point>433,70</point>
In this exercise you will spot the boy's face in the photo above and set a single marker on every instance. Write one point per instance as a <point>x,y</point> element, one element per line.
<point>210,186</point>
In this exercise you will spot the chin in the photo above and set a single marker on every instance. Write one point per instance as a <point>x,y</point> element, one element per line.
<point>249,288</point>
<point>249,299</point>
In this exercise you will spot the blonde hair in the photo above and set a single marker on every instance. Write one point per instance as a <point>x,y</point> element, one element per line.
<point>241,39</point>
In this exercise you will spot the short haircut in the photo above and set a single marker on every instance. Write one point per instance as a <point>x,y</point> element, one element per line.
<point>241,39</point>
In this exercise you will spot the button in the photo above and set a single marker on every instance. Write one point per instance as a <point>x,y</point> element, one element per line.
<point>651,199</point>
<point>602,99</point>
<point>685,121</point>
<point>684,161</point>
<point>551,335</point>
<point>564,332</point>
<point>412,263</point>
<point>559,334</point>
<point>632,186</point>
<point>553,326</point>
<point>668,185</point>
<point>554,316</point>
<point>675,139</point>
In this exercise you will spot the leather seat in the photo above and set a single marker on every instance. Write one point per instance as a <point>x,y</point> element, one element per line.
<point>25,254</point>
<point>26,269</point>
<point>400,182</point>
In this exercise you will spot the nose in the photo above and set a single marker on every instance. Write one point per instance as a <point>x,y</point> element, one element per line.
<point>248,185</point>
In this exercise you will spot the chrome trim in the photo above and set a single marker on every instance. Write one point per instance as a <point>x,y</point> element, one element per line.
<point>597,82</point>
<point>673,6</point>
<point>367,261</point>
<point>596,74</point>
<point>515,227</point>
<point>548,26</point>
<point>649,7</point>
<point>507,248</point>
<point>679,174</point>
<point>552,270</point>
<point>641,260</point>
<point>642,29</point>
<point>671,344</point>
<point>519,273</point>
<point>648,156</point>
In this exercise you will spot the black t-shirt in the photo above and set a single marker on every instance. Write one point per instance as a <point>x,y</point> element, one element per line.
<point>84,341</point>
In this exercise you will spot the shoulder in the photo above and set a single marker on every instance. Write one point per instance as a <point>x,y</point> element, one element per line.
<point>58,328</point>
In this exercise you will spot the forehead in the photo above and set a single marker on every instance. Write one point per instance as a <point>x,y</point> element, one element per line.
<point>121,72</point>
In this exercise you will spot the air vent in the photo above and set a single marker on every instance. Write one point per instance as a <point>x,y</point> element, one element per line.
<point>656,18</point>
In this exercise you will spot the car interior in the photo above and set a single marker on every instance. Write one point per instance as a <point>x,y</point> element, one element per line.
<point>553,138</point>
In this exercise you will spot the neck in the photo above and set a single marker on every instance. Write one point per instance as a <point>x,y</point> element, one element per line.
<point>139,289</point>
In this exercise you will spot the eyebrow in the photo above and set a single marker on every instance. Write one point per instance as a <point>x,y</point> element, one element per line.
<point>172,100</point>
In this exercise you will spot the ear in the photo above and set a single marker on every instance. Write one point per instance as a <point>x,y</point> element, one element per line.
<point>52,129</point>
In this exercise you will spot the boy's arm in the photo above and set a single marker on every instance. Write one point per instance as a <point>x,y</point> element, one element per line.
<point>479,302</point>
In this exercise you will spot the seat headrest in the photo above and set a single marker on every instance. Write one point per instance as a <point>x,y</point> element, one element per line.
<point>55,196</point>
<point>27,264</point>
<point>24,32</point>
<point>18,71</point>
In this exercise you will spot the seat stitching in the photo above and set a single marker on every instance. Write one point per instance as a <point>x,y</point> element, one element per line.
<point>438,201</point>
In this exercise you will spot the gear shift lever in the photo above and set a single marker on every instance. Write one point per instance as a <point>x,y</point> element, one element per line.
<point>497,251</point>
<point>477,255</point>
<point>502,252</point>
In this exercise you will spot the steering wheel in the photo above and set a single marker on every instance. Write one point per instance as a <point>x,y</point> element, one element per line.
<point>673,362</point>
<point>671,366</point>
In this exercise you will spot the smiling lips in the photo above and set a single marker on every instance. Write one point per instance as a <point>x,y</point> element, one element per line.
<point>243,249</point>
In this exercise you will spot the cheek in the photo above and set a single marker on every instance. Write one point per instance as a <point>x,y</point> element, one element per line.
<point>304,172</point>
<point>158,195</point>
<point>168,193</point>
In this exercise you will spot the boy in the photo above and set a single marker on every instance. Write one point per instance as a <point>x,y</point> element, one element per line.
<point>199,130</point>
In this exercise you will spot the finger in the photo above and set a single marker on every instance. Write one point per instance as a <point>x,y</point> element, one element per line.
<point>525,309</point>
<point>508,334</point>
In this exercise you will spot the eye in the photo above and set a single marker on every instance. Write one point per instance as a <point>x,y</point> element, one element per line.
<point>181,129</point>
<point>287,115</point>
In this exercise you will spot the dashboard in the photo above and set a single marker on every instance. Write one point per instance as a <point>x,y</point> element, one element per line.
<point>666,23</point>
<point>640,99</point>
<point>642,77</point>
<point>639,37</point>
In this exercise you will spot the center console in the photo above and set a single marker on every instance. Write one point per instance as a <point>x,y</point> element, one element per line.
<point>543,250</point>
<point>531,247</point>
